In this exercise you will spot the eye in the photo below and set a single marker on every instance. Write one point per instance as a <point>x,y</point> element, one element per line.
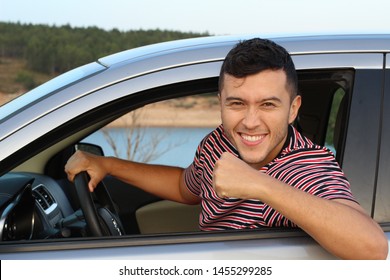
<point>235,104</point>
<point>268,105</point>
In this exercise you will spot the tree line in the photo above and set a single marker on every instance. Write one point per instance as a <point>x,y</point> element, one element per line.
<point>57,49</point>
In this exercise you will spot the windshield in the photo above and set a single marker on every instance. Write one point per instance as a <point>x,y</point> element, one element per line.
<point>49,87</point>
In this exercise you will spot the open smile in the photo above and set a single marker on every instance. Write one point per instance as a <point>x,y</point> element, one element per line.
<point>252,140</point>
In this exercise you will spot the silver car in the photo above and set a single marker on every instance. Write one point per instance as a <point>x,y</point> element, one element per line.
<point>149,98</point>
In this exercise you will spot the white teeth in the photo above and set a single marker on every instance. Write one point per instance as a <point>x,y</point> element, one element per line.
<point>251,138</point>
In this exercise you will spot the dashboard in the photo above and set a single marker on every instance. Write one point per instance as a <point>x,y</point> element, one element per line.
<point>35,206</point>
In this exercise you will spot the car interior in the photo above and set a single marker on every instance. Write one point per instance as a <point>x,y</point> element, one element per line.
<point>38,202</point>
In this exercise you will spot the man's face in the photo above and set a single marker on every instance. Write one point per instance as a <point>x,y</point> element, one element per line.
<point>256,111</point>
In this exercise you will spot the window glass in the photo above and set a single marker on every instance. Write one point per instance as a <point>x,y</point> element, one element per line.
<point>335,113</point>
<point>323,114</point>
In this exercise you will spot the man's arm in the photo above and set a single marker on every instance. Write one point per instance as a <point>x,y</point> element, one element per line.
<point>342,227</point>
<point>164,181</point>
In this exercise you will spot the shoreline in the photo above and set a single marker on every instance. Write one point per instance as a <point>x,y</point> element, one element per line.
<point>185,112</point>
<point>170,118</point>
<point>167,114</point>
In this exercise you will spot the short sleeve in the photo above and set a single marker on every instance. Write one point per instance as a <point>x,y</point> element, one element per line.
<point>193,173</point>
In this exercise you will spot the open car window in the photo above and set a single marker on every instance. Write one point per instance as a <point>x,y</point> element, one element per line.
<point>166,132</point>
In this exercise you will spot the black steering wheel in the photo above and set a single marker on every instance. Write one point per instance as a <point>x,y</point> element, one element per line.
<point>102,218</point>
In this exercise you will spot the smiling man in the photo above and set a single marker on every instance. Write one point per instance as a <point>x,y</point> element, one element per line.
<point>256,170</point>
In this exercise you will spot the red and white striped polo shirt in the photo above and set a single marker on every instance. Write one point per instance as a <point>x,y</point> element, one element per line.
<point>300,164</point>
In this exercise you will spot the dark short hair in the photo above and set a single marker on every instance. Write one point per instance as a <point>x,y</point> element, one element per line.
<point>255,55</point>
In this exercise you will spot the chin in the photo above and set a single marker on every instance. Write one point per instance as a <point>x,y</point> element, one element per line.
<point>252,161</point>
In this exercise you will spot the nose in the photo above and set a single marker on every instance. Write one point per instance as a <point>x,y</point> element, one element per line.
<point>251,118</point>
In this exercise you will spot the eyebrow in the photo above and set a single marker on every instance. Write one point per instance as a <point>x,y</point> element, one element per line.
<point>232,98</point>
<point>271,98</point>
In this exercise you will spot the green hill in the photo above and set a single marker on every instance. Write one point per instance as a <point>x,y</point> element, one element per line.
<point>32,54</point>
<point>16,78</point>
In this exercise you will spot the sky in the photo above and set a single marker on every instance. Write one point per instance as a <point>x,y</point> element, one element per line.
<point>217,17</point>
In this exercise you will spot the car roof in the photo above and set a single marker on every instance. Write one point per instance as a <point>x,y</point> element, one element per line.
<point>294,44</point>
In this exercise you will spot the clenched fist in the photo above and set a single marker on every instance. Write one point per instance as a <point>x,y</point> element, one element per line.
<point>233,178</point>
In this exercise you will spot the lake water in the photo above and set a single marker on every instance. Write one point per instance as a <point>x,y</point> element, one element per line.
<point>168,146</point>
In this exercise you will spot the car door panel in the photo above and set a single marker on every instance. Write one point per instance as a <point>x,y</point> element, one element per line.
<point>382,204</point>
<point>360,156</point>
<point>262,244</point>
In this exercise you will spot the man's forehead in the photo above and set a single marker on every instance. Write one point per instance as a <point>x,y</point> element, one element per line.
<point>234,81</point>
<point>262,85</point>
<point>274,75</point>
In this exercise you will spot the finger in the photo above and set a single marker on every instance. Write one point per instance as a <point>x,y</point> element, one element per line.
<point>69,174</point>
<point>71,177</point>
<point>68,170</point>
<point>92,184</point>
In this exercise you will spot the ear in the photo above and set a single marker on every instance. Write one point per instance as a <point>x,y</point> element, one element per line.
<point>294,108</point>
